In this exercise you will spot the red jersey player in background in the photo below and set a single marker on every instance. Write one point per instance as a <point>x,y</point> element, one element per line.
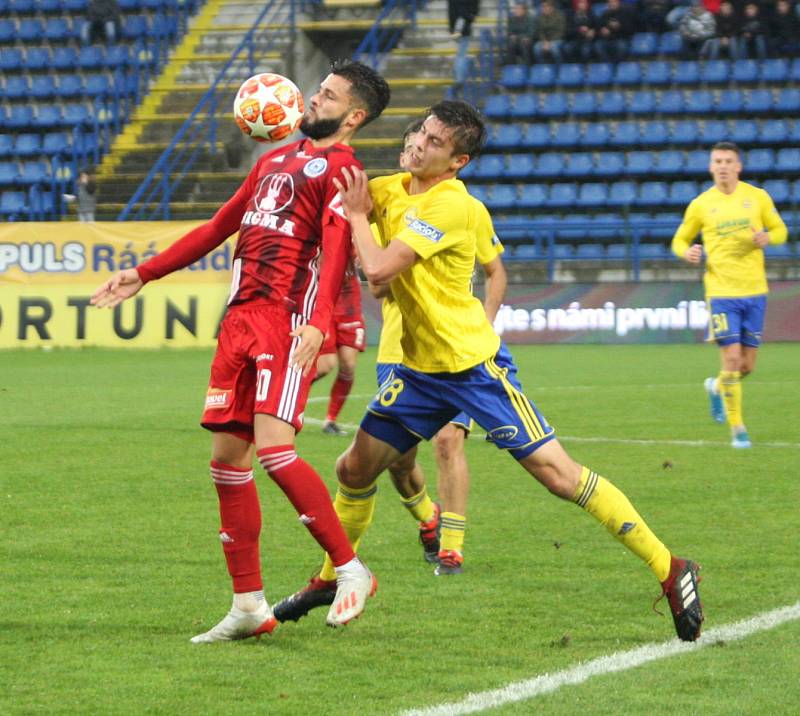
<point>346,338</point>
<point>290,258</point>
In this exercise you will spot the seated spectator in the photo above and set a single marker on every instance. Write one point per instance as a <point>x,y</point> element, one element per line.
<point>520,34</point>
<point>101,16</point>
<point>581,32</point>
<point>697,28</point>
<point>653,15</point>
<point>726,41</point>
<point>614,29</point>
<point>784,33</point>
<point>753,38</point>
<point>550,28</point>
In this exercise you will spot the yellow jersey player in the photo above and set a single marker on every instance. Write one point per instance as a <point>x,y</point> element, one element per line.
<point>453,360</point>
<point>737,220</point>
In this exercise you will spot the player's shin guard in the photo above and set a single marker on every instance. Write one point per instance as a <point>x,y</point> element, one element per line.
<point>730,387</point>
<point>309,496</point>
<point>453,527</point>
<point>355,507</point>
<point>610,507</point>
<point>339,391</point>
<point>240,520</point>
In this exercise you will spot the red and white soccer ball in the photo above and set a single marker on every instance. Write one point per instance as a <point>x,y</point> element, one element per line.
<point>268,107</point>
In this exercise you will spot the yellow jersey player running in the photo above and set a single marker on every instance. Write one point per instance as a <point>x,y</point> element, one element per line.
<point>737,220</point>
<point>452,358</point>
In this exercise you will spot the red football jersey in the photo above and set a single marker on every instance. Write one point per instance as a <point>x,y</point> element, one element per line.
<point>289,215</point>
<point>348,303</point>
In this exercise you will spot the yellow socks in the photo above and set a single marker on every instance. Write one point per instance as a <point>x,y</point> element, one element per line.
<point>609,506</point>
<point>355,507</point>
<point>452,535</point>
<point>730,388</point>
<point>420,505</point>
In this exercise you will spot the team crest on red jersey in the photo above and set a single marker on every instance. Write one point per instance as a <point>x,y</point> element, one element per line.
<point>275,192</point>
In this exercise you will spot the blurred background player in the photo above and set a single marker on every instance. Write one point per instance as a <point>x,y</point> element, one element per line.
<point>289,217</point>
<point>736,220</point>
<point>345,339</point>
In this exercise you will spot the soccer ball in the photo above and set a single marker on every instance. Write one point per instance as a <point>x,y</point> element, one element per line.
<point>268,107</point>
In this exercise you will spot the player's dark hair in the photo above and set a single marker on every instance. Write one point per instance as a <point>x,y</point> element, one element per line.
<point>369,89</point>
<point>413,128</point>
<point>727,147</point>
<point>466,123</point>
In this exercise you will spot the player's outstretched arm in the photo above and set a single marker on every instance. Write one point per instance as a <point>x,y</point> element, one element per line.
<point>125,284</point>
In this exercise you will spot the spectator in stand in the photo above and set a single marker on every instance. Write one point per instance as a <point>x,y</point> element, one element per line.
<point>754,32</point>
<point>520,35</point>
<point>461,14</point>
<point>581,32</point>
<point>728,25</point>
<point>697,29</point>
<point>653,15</point>
<point>614,29</point>
<point>784,33</point>
<point>101,16</point>
<point>86,196</point>
<point>550,28</point>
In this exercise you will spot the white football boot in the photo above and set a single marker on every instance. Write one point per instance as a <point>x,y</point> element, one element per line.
<point>354,583</point>
<point>239,624</point>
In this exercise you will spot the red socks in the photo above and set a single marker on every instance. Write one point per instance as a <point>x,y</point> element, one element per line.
<point>307,492</point>
<point>240,519</point>
<point>339,391</point>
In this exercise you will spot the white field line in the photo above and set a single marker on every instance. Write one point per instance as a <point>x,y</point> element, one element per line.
<point>621,661</point>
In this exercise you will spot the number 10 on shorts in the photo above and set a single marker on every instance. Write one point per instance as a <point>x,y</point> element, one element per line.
<point>262,386</point>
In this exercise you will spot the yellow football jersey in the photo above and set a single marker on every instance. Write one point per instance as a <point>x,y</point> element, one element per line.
<point>734,264</point>
<point>431,313</point>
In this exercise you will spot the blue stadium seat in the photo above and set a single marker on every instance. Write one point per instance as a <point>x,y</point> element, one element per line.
<point>118,56</point>
<point>657,73</point>
<point>730,101</point>
<point>542,76</point>
<point>580,165</point>
<point>759,161</point>
<point>796,190</point>
<point>497,106</point>
<point>76,114</point>
<point>595,134</point>
<point>787,101</point>
<point>788,160</point>
<point>70,86</point>
<point>38,58</point>
<point>43,86</point>
<point>599,74</point>
<point>562,194</point>
<point>536,136</point>
<point>520,166</point>
<point>590,252</point>
<point>135,26</point>
<point>489,166</point>
<point>686,72</point>
<point>563,252</point>
<point>549,164</point>
<point>622,193</point>
<point>30,29</point>
<point>20,116</point>
<point>48,6</point>
<point>712,131</point>
<point>697,162</point>
<point>6,144</point>
<point>9,173</point>
<point>566,134</point>
<point>793,130</point>
<point>583,104</point>
<point>669,43</point>
<point>592,194</point>
<point>11,59</point>
<point>671,102</point>
<point>58,29</point>
<point>525,252</point>
<point>514,76</point>
<point>28,144</point>
<point>644,44</point>
<point>639,163</point>
<point>743,131</point>
<point>779,189</point>
<point>628,73</point>
<point>653,251</point>
<point>698,101</point>
<point>56,143</point>
<point>91,56</point>
<point>130,5</point>
<point>652,193</point>
<point>774,70</point>
<point>48,116</point>
<point>654,134</point>
<point>525,105</point>
<point>532,196</point>
<point>642,102</point>
<point>17,87</point>
<point>668,224</point>
<point>625,134</point>
<point>97,85</point>
<point>479,191</point>
<point>670,161</point>
<point>502,196</point>
<point>759,101</point>
<point>617,251</point>
<point>65,58</point>
<point>715,72</point>
<point>35,172</point>
<point>773,131</point>
<point>744,71</point>
<point>554,105</point>
<point>22,7</point>
<point>13,203</point>
<point>682,192</point>
<point>505,136</point>
<point>794,70</point>
<point>609,164</point>
<point>569,75</point>
<point>779,251</point>
<point>468,171</point>
<point>611,102</point>
<point>684,131</point>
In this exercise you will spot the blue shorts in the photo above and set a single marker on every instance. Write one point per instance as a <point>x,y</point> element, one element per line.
<point>412,406</point>
<point>737,320</point>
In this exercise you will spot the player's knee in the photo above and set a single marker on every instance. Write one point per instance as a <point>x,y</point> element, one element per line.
<point>448,442</point>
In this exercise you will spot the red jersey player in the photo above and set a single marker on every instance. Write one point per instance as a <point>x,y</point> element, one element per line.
<point>292,251</point>
<point>346,338</point>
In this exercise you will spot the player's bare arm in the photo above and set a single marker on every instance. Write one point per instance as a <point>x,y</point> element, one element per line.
<point>120,287</point>
<point>496,285</point>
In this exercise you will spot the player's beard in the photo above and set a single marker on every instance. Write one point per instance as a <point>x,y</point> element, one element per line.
<point>322,128</point>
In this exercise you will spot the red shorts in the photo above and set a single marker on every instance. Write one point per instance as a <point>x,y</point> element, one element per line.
<point>352,334</point>
<point>250,372</point>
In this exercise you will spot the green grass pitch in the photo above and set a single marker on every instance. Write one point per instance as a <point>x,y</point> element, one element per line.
<point>110,561</point>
